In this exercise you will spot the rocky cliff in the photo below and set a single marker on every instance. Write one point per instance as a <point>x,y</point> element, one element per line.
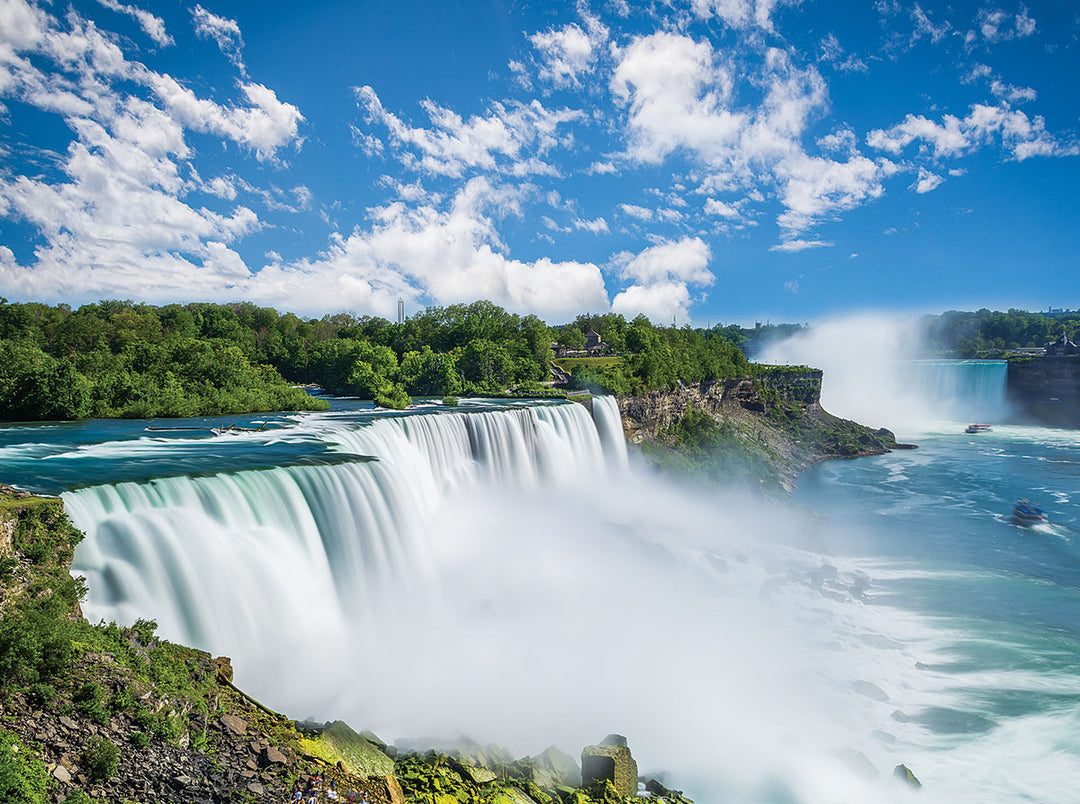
<point>1045,390</point>
<point>768,428</point>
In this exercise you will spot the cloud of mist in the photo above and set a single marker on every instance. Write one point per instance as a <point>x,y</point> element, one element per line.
<point>689,622</point>
<point>874,373</point>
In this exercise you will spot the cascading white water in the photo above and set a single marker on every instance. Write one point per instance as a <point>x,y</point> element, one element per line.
<point>482,576</point>
<point>609,425</point>
<point>221,559</point>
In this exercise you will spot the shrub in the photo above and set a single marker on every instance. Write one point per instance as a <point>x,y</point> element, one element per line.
<point>101,759</point>
<point>23,780</point>
<point>123,701</point>
<point>140,739</point>
<point>90,701</point>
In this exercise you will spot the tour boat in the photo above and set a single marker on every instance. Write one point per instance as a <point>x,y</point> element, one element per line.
<point>978,428</point>
<point>1025,512</point>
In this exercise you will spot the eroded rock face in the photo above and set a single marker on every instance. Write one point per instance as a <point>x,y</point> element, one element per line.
<point>649,415</point>
<point>7,534</point>
<point>610,763</point>
<point>1045,390</point>
<point>772,427</point>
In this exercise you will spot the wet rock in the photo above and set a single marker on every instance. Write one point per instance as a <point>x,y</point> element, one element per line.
<point>393,790</point>
<point>610,763</point>
<point>554,767</point>
<point>478,775</point>
<point>904,774</point>
<point>870,690</point>
<point>512,795</point>
<point>223,667</point>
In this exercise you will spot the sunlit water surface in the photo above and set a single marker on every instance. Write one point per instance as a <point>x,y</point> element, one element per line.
<point>498,570</point>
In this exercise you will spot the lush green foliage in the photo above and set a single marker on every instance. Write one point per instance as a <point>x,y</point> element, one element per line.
<point>119,359</point>
<point>660,358</point>
<point>23,780</point>
<point>43,641</point>
<point>715,452</point>
<point>984,332</point>
<point>101,759</point>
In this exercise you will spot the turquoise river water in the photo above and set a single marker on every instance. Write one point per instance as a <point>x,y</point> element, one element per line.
<point>507,571</point>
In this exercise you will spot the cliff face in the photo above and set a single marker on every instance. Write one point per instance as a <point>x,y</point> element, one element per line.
<point>1045,390</point>
<point>772,424</point>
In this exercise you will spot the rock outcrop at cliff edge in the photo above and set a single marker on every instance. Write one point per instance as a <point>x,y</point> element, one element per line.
<point>764,429</point>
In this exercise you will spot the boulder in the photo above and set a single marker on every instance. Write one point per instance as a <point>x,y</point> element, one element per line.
<point>612,763</point>
<point>272,755</point>
<point>478,775</point>
<point>393,790</point>
<point>553,768</point>
<point>233,724</point>
<point>224,668</point>
<point>904,774</point>
<point>512,795</point>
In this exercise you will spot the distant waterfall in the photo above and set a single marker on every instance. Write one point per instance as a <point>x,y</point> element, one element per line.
<point>218,559</point>
<point>959,389</point>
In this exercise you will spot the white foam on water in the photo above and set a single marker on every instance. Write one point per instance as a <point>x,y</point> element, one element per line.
<point>505,574</point>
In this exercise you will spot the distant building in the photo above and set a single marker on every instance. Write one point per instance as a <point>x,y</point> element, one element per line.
<point>1062,347</point>
<point>593,342</point>
<point>401,311</point>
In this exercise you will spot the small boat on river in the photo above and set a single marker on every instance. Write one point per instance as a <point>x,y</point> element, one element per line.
<point>1025,512</point>
<point>978,428</point>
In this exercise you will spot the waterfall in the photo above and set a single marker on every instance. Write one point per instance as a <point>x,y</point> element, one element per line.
<point>959,389</point>
<point>609,425</point>
<point>228,560</point>
<point>872,374</point>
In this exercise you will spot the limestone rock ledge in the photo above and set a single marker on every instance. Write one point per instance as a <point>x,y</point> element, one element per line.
<point>776,417</point>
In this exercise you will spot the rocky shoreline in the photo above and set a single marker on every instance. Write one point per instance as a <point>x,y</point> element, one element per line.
<point>774,418</point>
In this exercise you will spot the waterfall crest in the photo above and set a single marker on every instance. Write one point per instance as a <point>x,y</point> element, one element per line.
<point>215,558</point>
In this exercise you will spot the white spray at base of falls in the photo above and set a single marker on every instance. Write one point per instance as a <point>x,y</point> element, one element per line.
<point>553,600</point>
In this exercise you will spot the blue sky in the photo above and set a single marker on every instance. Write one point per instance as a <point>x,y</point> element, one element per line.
<point>707,160</point>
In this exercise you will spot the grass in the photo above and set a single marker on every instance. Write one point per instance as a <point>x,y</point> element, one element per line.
<point>10,503</point>
<point>568,363</point>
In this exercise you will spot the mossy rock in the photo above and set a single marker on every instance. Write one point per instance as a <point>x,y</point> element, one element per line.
<point>512,795</point>
<point>340,743</point>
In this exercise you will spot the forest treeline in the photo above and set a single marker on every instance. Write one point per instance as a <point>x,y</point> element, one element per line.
<point>126,359</point>
<point>986,332</point>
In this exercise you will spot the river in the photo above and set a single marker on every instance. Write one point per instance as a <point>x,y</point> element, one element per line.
<point>502,570</point>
